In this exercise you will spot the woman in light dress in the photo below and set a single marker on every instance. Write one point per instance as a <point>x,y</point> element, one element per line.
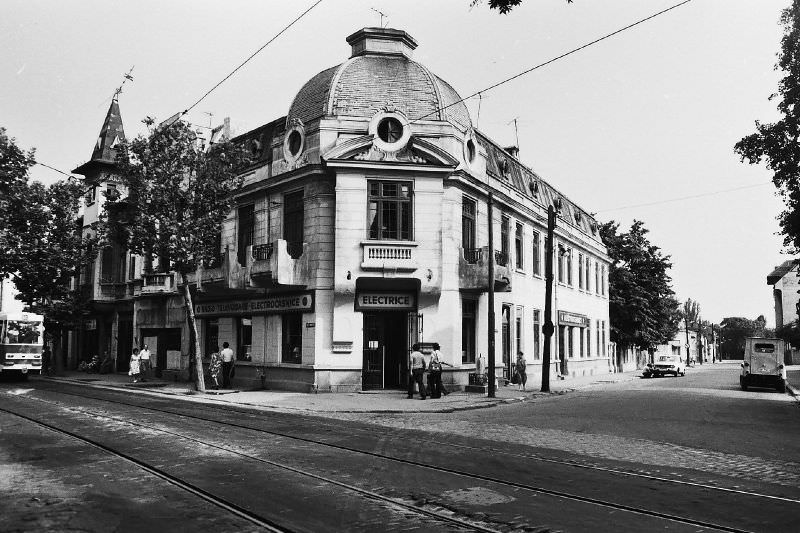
<point>135,368</point>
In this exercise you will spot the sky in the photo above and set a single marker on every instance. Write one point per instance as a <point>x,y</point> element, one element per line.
<point>639,126</point>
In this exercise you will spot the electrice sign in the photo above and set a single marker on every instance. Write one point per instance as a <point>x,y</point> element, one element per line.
<point>389,301</point>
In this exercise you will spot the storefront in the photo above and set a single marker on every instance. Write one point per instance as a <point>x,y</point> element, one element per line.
<point>391,326</point>
<point>573,338</point>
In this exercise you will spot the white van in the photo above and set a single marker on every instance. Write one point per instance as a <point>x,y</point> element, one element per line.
<point>763,364</point>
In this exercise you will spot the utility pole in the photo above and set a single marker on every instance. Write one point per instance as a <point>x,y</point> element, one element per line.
<point>548,298</point>
<point>491,376</point>
<point>700,339</point>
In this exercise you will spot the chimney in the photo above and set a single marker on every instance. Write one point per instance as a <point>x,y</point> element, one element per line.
<point>513,151</point>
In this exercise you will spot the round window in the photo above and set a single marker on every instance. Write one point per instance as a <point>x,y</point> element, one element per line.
<point>295,142</point>
<point>390,130</point>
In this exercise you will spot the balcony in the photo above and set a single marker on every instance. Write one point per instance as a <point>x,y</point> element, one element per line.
<point>112,290</point>
<point>279,263</point>
<point>473,270</point>
<point>399,256</point>
<point>161,283</point>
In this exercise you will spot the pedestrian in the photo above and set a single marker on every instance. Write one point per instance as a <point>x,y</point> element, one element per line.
<point>417,370</point>
<point>144,361</point>
<point>47,361</point>
<point>215,367</point>
<point>135,366</point>
<point>228,367</point>
<point>435,372</point>
<point>521,368</point>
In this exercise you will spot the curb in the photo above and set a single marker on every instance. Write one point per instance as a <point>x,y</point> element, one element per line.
<point>792,391</point>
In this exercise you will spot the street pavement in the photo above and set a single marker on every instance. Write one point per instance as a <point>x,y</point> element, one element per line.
<point>384,401</point>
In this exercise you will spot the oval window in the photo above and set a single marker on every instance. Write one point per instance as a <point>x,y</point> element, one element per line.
<point>390,130</point>
<point>470,151</point>
<point>295,142</point>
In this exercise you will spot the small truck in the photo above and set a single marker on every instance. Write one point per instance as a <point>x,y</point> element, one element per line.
<point>763,364</point>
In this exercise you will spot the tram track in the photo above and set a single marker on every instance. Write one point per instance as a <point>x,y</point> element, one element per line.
<point>445,470</point>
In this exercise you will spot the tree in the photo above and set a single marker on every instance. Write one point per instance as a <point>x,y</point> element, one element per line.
<point>691,318</point>
<point>503,6</point>
<point>14,165</point>
<point>178,196</point>
<point>779,143</point>
<point>642,306</point>
<point>52,249</point>
<point>733,332</point>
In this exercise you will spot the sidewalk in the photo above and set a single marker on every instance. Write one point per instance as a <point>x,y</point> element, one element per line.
<point>383,401</point>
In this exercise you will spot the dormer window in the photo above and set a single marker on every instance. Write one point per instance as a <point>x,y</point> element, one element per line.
<point>390,129</point>
<point>533,185</point>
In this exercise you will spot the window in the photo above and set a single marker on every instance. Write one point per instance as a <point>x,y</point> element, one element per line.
<point>506,334</point>
<point>676,350</point>
<point>107,265</point>
<point>561,252</point>
<point>599,351</point>
<point>293,223</point>
<point>292,337</point>
<point>244,328</point>
<point>603,280</point>
<point>469,315</point>
<point>390,208</point>
<point>580,271</point>
<point>519,252</point>
<point>295,142</point>
<point>587,271</point>
<point>589,339</point>
<point>537,254</point>
<point>597,277</point>
<point>580,343</point>
<point>211,336</point>
<point>604,337</point>
<point>561,341</point>
<point>569,266</point>
<point>247,219</point>
<point>518,328</point>
<point>132,267</point>
<point>505,224</point>
<point>571,341</point>
<point>468,213</point>
<point>537,331</point>
<point>90,195</point>
<point>390,130</point>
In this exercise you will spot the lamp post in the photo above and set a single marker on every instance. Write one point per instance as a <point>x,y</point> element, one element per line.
<point>548,328</point>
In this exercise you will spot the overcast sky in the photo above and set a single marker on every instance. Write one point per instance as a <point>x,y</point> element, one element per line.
<point>648,116</point>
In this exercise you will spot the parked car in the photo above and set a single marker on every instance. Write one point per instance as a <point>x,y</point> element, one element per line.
<point>763,364</point>
<point>665,364</point>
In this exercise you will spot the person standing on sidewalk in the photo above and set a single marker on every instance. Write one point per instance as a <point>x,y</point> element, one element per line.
<point>215,367</point>
<point>435,369</point>
<point>227,365</point>
<point>144,361</point>
<point>135,366</point>
<point>417,370</point>
<point>521,368</point>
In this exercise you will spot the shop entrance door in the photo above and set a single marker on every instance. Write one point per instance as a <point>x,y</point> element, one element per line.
<point>385,351</point>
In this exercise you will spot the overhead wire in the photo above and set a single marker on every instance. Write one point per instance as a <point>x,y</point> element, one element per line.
<point>690,197</point>
<point>549,61</point>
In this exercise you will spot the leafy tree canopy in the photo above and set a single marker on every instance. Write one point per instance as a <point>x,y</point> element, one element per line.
<point>503,6</point>
<point>733,332</point>
<point>178,195</point>
<point>14,165</point>
<point>642,306</point>
<point>779,143</point>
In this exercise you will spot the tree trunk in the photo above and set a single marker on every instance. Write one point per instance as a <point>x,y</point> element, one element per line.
<point>198,355</point>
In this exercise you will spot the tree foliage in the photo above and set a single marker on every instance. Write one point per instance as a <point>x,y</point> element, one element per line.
<point>42,246</point>
<point>779,143</point>
<point>642,306</point>
<point>503,6</point>
<point>178,195</point>
<point>691,313</point>
<point>14,165</point>
<point>733,332</point>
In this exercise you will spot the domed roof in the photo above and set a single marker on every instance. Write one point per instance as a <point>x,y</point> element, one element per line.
<point>380,73</point>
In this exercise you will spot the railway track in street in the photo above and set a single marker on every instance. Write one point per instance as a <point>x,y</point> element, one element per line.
<point>466,475</point>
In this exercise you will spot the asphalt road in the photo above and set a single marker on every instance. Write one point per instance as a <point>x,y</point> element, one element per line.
<point>675,454</point>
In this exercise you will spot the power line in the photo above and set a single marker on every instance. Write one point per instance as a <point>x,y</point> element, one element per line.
<point>52,168</point>
<point>243,63</point>
<point>713,193</point>
<point>540,65</point>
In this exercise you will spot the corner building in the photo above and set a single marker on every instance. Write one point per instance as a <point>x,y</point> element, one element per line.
<point>363,228</point>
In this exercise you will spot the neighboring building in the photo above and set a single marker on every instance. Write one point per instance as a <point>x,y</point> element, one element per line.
<point>8,302</point>
<point>678,345</point>
<point>362,228</point>
<point>785,286</point>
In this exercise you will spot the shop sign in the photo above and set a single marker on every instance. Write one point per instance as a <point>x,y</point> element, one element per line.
<point>386,301</point>
<point>284,303</point>
<point>573,319</point>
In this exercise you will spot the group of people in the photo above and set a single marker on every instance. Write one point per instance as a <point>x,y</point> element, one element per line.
<point>140,364</point>
<point>222,365</point>
<point>418,365</point>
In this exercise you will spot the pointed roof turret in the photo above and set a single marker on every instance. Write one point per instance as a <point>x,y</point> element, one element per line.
<point>111,134</point>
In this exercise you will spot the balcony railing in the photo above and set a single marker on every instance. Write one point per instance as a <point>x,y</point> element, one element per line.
<point>472,255</point>
<point>156,279</point>
<point>500,258</point>
<point>263,252</point>
<point>389,255</point>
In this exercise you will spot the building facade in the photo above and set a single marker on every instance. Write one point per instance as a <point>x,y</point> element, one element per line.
<point>785,281</point>
<point>363,226</point>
